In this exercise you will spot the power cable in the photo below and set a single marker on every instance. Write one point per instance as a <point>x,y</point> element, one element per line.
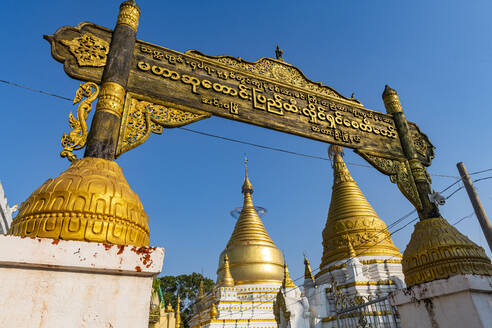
<point>35,90</point>
<point>297,154</point>
<point>234,140</point>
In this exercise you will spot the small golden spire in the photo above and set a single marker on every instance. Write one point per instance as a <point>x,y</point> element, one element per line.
<point>351,250</point>
<point>178,314</point>
<point>200,291</point>
<point>213,312</point>
<point>227,279</point>
<point>308,274</point>
<point>287,283</point>
<point>247,186</point>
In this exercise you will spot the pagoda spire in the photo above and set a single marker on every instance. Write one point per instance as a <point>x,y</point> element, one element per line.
<point>308,273</point>
<point>226,280</point>
<point>287,282</point>
<point>253,256</point>
<point>353,228</point>
<point>178,313</point>
<point>200,291</point>
<point>249,226</point>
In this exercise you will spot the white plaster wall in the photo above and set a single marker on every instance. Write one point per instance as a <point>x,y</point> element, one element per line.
<point>51,284</point>
<point>459,301</point>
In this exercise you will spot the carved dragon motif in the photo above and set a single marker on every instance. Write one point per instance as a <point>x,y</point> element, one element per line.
<point>77,137</point>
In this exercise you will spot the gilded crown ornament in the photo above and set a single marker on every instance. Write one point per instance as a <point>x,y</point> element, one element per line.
<point>391,100</point>
<point>90,201</point>
<point>129,14</point>
<point>353,228</point>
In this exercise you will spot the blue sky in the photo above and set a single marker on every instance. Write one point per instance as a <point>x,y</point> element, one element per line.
<point>436,54</point>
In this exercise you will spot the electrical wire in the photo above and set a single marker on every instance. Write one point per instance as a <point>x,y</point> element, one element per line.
<point>374,245</point>
<point>301,155</point>
<point>236,140</point>
<point>35,90</point>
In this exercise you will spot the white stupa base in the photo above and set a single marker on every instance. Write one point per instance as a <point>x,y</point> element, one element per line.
<point>48,283</point>
<point>459,301</point>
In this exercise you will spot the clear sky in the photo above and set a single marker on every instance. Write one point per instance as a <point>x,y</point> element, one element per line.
<point>436,54</point>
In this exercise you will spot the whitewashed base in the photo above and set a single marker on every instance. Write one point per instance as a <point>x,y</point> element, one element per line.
<point>459,301</point>
<point>49,284</point>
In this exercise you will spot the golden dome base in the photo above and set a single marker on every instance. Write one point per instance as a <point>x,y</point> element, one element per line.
<point>90,201</point>
<point>437,250</point>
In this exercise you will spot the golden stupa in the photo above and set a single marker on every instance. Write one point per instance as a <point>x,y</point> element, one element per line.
<point>352,227</point>
<point>90,201</point>
<point>253,257</point>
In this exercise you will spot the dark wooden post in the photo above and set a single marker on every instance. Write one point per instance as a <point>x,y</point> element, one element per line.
<point>393,107</point>
<point>104,132</point>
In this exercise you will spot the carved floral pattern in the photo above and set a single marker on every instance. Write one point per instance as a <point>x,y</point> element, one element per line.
<point>142,118</point>
<point>276,70</point>
<point>89,50</point>
<point>399,172</point>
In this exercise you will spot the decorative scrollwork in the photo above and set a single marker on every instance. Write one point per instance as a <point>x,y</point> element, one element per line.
<point>142,117</point>
<point>88,49</point>
<point>277,70</point>
<point>399,171</point>
<point>77,137</point>
<point>343,301</point>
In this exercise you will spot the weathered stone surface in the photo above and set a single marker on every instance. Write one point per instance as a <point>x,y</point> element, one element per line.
<point>57,283</point>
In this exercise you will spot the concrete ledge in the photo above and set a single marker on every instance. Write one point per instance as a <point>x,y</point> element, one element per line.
<point>442,287</point>
<point>56,283</point>
<point>459,301</point>
<point>79,256</point>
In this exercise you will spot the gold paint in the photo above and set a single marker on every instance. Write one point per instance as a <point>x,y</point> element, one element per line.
<point>351,218</point>
<point>391,101</point>
<point>287,282</point>
<point>364,262</point>
<point>226,279</point>
<point>253,256</point>
<point>400,172</point>
<point>367,283</point>
<point>357,314</point>
<point>213,312</point>
<point>238,320</point>
<point>143,116</point>
<point>129,15</point>
<point>437,250</point>
<point>178,313</point>
<point>280,307</point>
<point>418,170</point>
<point>351,252</point>
<point>90,201</point>
<point>77,137</point>
<point>111,98</point>
<point>245,302</point>
<point>277,71</point>
<point>308,273</point>
<point>88,49</point>
<point>201,293</point>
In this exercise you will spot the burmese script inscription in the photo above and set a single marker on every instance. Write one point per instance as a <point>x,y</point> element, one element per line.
<point>197,82</point>
<point>269,93</point>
